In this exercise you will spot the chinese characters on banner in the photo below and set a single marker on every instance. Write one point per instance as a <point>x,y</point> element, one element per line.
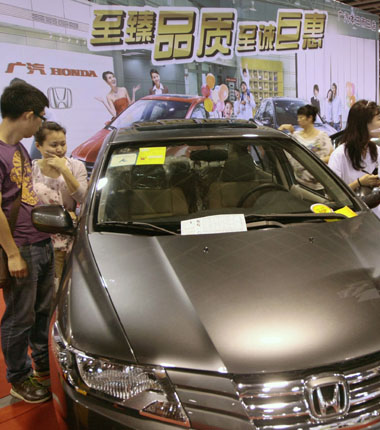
<point>188,34</point>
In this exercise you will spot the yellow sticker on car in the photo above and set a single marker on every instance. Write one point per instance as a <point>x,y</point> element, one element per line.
<point>320,208</point>
<point>151,156</point>
<point>346,211</point>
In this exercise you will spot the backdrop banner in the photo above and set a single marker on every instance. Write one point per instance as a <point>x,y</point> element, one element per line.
<point>64,47</point>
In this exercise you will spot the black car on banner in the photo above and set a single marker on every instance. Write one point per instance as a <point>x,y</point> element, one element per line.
<point>210,288</point>
<point>275,111</point>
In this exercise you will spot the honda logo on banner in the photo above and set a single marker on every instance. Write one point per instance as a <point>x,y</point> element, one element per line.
<point>327,396</point>
<point>60,97</point>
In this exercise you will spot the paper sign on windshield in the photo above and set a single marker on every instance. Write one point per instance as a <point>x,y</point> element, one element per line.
<point>214,224</point>
<point>119,160</point>
<point>151,156</point>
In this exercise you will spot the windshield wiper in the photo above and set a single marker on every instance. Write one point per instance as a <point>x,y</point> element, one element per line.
<point>137,224</point>
<point>296,216</point>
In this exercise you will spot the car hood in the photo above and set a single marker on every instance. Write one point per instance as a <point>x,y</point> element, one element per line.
<point>260,301</point>
<point>88,150</point>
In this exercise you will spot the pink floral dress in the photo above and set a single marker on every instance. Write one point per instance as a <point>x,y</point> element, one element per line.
<point>54,191</point>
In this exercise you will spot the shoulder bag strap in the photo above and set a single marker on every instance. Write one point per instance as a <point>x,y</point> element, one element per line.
<point>16,204</point>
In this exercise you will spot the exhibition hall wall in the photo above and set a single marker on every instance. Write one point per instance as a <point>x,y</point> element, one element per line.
<point>280,49</point>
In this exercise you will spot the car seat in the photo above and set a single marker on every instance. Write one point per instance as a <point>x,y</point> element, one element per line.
<point>146,194</point>
<point>151,196</point>
<point>181,175</point>
<point>238,177</point>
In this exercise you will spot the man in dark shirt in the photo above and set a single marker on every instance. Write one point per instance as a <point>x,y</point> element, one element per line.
<point>314,101</point>
<point>30,253</point>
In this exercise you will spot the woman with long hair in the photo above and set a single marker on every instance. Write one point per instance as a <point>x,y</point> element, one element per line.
<point>118,98</point>
<point>157,86</point>
<point>356,160</point>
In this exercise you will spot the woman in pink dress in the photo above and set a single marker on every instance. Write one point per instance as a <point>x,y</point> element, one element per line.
<point>58,180</point>
<point>118,98</point>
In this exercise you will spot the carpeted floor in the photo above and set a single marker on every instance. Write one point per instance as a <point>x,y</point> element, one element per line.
<point>18,415</point>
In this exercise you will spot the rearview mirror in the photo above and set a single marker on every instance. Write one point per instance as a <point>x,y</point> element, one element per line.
<point>52,219</point>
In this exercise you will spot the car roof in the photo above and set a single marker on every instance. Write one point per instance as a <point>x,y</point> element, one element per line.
<point>292,99</point>
<point>174,97</point>
<point>192,129</point>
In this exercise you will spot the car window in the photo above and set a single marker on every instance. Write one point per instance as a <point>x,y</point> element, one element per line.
<point>261,109</point>
<point>169,182</point>
<point>199,112</point>
<point>286,110</point>
<point>268,114</point>
<point>150,110</point>
<point>270,109</point>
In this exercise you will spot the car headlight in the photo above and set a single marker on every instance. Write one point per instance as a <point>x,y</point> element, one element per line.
<point>146,389</point>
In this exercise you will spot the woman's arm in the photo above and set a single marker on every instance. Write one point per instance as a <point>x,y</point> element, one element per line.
<point>136,88</point>
<point>326,147</point>
<point>80,173</point>
<point>366,180</point>
<point>287,127</point>
<point>108,104</point>
<point>252,102</point>
<point>76,183</point>
<point>16,264</point>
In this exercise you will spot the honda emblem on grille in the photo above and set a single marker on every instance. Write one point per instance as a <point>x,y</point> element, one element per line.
<point>327,396</point>
<point>60,97</point>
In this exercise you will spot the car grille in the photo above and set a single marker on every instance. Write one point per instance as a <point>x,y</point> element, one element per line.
<point>279,401</point>
<point>89,168</point>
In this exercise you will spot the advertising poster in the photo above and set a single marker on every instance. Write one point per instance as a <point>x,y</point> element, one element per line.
<point>310,51</point>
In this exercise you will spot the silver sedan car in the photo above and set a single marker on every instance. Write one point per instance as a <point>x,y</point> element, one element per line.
<point>211,287</point>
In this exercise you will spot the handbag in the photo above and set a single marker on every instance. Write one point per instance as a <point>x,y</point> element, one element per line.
<point>5,276</point>
<point>370,196</point>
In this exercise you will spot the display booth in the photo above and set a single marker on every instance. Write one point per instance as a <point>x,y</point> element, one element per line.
<point>283,49</point>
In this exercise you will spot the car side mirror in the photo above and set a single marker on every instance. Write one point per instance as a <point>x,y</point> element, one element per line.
<point>52,219</point>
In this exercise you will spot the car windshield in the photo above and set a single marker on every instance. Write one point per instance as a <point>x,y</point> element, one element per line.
<point>151,110</point>
<point>286,111</point>
<point>164,183</point>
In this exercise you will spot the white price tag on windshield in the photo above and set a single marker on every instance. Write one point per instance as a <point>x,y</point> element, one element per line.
<point>119,160</point>
<point>228,223</point>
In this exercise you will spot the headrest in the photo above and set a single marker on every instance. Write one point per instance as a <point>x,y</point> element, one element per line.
<point>209,155</point>
<point>148,177</point>
<point>239,169</point>
<point>178,166</point>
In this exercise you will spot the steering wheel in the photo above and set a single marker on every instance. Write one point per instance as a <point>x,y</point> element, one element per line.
<point>263,187</point>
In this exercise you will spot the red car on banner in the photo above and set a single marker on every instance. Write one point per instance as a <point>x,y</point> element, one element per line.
<point>149,108</point>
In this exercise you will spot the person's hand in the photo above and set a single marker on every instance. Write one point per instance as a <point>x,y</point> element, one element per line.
<point>100,99</point>
<point>58,163</point>
<point>136,88</point>
<point>243,102</point>
<point>369,180</point>
<point>287,127</point>
<point>17,266</point>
